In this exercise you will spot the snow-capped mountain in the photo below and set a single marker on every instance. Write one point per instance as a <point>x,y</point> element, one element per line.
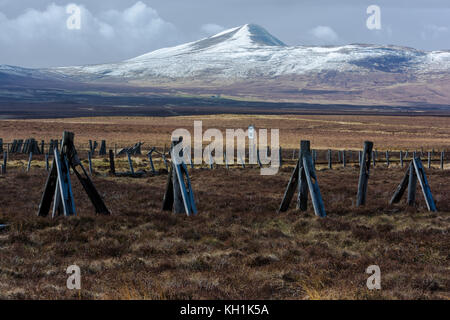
<point>248,62</point>
<point>250,51</point>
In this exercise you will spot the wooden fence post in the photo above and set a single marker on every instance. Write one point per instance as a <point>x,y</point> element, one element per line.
<point>429,159</point>
<point>258,159</point>
<point>314,157</point>
<point>130,163</point>
<point>29,161</point>
<point>90,162</point>
<point>359,157</point>
<point>179,196</point>
<point>302,194</point>
<point>421,176</point>
<point>412,183</point>
<point>102,150</point>
<point>401,187</point>
<point>442,160</point>
<point>150,160</point>
<point>46,162</point>
<point>112,166</point>
<point>242,161</point>
<point>5,160</point>
<point>313,185</point>
<point>330,162</point>
<point>364,173</point>
<point>280,154</point>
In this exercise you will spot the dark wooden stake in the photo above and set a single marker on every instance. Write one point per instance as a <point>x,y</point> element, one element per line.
<point>421,176</point>
<point>112,166</point>
<point>412,183</point>
<point>330,162</point>
<point>150,160</point>
<point>90,162</point>
<point>364,174</point>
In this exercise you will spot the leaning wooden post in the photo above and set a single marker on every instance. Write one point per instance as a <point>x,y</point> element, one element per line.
<point>46,162</point>
<point>165,160</point>
<point>178,204</point>
<point>421,176</point>
<point>401,159</point>
<point>364,173</point>
<point>314,157</point>
<point>280,156</point>
<point>5,160</point>
<point>150,160</point>
<point>90,162</point>
<point>258,158</point>
<point>29,161</point>
<point>130,163</point>
<point>211,166</point>
<point>112,166</point>
<point>302,194</point>
<point>293,154</point>
<point>313,185</point>
<point>429,159</point>
<point>412,183</point>
<point>330,162</point>
<point>442,160</point>
<point>242,161</point>
<point>359,157</point>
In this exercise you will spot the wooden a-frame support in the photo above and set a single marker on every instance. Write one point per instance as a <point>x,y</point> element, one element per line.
<point>179,196</point>
<point>59,187</point>
<point>414,172</point>
<point>304,177</point>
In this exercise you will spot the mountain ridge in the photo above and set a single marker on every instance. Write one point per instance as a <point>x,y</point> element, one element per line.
<point>248,61</point>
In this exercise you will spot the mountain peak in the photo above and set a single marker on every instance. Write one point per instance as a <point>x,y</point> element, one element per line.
<point>248,34</point>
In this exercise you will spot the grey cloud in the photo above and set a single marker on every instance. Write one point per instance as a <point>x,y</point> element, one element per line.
<point>109,36</point>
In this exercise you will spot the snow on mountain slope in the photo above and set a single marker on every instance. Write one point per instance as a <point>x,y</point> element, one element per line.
<point>250,52</point>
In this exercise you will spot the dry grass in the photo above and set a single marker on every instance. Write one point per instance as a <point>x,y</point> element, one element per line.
<point>238,247</point>
<point>324,131</point>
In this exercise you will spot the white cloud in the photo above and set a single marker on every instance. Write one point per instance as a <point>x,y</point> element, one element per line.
<point>41,38</point>
<point>324,34</point>
<point>211,29</point>
<point>434,32</point>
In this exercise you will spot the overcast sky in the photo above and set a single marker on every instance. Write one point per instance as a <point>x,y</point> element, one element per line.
<point>34,33</point>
